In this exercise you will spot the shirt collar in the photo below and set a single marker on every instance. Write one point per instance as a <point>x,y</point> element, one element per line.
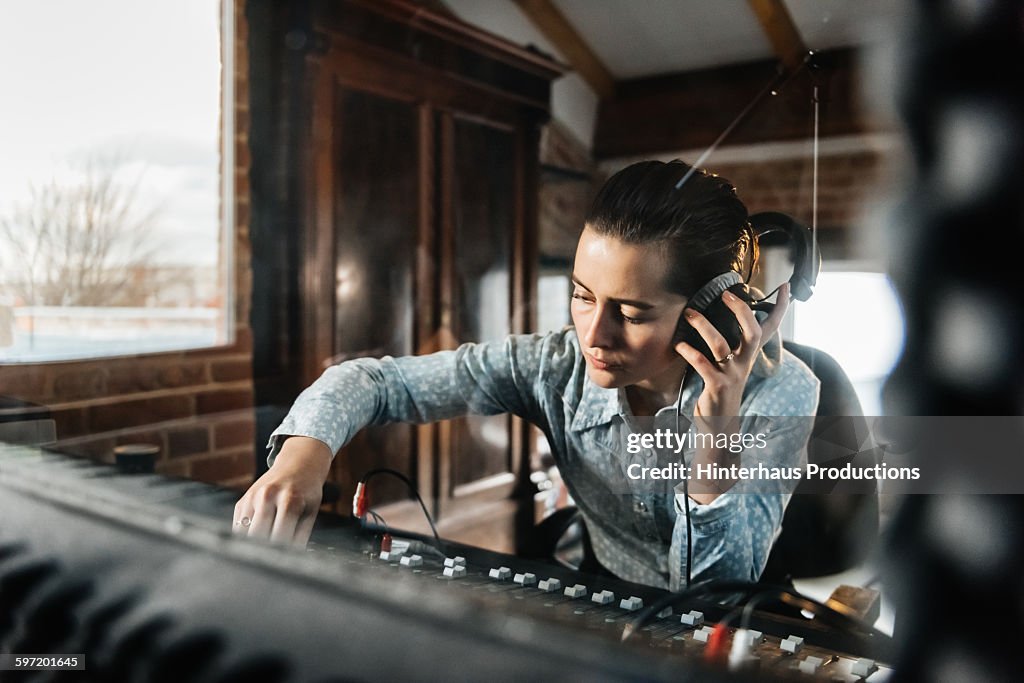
<point>598,406</point>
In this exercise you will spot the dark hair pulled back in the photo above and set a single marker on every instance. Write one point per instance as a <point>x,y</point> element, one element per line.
<point>703,225</point>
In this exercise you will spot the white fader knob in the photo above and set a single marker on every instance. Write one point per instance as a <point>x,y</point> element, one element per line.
<point>702,634</point>
<point>577,591</point>
<point>550,585</point>
<point>863,668</point>
<point>792,644</point>
<point>810,665</point>
<point>456,572</point>
<point>632,603</point>
<point>412,561</point>
<point>692,618</point>
<point>526,579</point>
<point>603,598</point>
<point>500,573</point>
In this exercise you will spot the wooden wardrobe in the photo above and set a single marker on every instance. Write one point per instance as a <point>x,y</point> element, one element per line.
<point>418,232</point>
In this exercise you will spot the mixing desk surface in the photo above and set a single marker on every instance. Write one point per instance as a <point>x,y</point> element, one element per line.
<point>141,574</point>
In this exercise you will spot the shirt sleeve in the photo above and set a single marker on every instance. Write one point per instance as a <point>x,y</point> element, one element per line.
<point>733,535</point>
<point>484,379</point>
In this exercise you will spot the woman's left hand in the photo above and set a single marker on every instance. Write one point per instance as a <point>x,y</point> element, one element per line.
<point>724,380</point>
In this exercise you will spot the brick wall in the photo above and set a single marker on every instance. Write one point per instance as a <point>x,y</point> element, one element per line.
<point>849,183</point>
<point>196,405</point>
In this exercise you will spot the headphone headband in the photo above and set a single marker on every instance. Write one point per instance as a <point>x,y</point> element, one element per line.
<point>806,256</point>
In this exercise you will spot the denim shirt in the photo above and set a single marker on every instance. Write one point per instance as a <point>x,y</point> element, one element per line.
<point>639,536</point>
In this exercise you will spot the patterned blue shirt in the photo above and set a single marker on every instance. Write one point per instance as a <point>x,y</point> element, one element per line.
<point>641,535</point>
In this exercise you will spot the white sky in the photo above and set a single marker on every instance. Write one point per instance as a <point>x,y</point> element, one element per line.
<point>139,80</point>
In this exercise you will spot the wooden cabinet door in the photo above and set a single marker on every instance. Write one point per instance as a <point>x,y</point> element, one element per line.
<point>416,244</point>
<point>361,259</point>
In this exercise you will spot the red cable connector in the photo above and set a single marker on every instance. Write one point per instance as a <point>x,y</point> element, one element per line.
<point>385,543</point>
<point>715,650</point>
<point>359,501</point>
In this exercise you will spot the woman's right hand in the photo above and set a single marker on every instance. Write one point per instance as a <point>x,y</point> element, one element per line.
<point>282,504</point>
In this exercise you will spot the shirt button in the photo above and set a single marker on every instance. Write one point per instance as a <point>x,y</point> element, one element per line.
<point>640,506</point>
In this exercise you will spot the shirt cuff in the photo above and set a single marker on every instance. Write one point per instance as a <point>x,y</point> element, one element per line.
<point>288,429</point>
<point>722,507</point>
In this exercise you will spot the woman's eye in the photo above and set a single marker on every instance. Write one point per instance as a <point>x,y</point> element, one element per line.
<point>633,321</point>
<point>580,297</point>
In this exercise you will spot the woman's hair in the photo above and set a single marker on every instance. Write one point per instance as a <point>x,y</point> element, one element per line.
<point>703,224</point>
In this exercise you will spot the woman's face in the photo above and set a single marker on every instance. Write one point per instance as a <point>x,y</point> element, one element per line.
<point>624,317</point>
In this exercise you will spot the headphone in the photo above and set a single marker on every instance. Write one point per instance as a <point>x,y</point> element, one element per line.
<point>708,299</point>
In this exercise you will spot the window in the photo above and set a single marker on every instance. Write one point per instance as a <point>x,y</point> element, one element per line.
<point>855,317</point>
<point>114,238</point>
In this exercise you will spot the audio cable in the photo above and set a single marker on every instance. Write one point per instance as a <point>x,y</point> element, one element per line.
<point>359,506</point>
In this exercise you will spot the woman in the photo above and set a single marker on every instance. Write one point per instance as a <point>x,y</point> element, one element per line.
<point>646,249</point>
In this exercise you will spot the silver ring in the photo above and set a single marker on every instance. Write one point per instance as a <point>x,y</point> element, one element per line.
<point>243,522</point>
<point>726,359</point>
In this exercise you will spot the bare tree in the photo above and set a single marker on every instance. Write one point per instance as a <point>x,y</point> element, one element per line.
<point>79,243</point>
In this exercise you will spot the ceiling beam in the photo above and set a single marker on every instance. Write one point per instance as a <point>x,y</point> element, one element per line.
<point>686,111</point>
<point>781,31</point>
<point>553,24</point>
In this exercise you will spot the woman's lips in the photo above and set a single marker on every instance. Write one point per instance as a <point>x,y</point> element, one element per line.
<point>600,364</point>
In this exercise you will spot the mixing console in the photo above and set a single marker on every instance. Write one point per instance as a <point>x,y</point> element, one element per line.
<point>143,575</point>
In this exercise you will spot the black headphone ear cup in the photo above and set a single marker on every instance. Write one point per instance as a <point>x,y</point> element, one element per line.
<point>721,318</point>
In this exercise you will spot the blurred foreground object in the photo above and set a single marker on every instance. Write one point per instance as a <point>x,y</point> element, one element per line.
<point>954,242</point>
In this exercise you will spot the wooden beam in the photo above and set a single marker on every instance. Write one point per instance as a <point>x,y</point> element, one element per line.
<point>553,24</point>
<point>686,111</point>
<point>781,31</point>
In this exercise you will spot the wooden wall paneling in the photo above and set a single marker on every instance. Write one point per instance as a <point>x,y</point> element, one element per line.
<point>447,336</point>
<point>317,267</point>
<point>426,311</point>
<point>524,306</point>
<point>665,114</point>
<point>483,231</point>
<point>381,71</point>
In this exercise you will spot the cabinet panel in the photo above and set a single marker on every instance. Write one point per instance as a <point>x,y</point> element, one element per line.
<point>483,219</point>
<point>376,221</point>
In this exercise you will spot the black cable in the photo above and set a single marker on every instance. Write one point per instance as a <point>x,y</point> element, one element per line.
<point>755,593</point>
<point>841,615</point>
<point>395,473</point>
<point>686,488</point>
<point>703,588</point>
<point>379,520</point>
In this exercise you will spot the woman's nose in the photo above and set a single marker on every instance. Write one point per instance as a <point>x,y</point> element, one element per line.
<point>599,333</point>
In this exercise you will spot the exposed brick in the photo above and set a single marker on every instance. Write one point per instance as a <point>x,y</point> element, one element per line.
<point>134,413</point>
<point>242,214</point>
<point>231,370</point>
<point>220,468</point>
<point>242,180</point>
<point>234,433</point>
<point>183,374</point>
<point>72,385</point>
<point>242,123</point>
<point>222,401</point>
<point>183,441</point>
<point>129,378</point>
<point>26,382</point>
